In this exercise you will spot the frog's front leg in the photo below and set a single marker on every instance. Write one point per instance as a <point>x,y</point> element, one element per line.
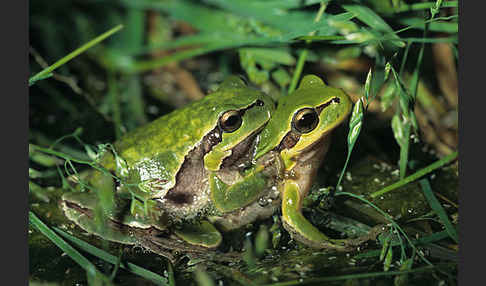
<point>231,199</point>
<point>255,182</point>
<point>227,198</point>
<point>302,230</point>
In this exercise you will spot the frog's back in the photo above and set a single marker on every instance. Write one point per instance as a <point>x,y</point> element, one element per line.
<point>158,149</point>
<point>180,131</point>
<point>175,132</point>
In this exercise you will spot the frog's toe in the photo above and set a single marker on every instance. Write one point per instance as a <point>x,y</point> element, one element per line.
<point>200,234</point>
<point>307,234</point>
<point>322,243</point>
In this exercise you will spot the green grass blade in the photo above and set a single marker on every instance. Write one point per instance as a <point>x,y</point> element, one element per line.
<point>171,276</point>
<point>416,72</point>
<point>298,70</point>
<point>438,164</point>
<point>424,6</point>
<point>33,148</point>
<point>355,125</point>
<point>351,276</point>
<point>68,249</point>
<point>304,53</point>
<point>452,39</point>
<point>402,122</point>
<point>147,274</point>
<point>401,131</point>
<point>203,278</point>
<point>142,66</point>
<point>373,20</point>
<point>418,23</point>
<point>117,265</point>
<point>114,96</point>
<point>132,93</point>
<point>281,56</point>
<point>434,237</point>
<point>320,38</point>
<point>398,229</point>
<point>438,209</point>
<point>289,20</point>
<point>44,73</point>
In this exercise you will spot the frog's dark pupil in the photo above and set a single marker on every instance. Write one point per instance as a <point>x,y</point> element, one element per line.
<point>260,103</point>
<point>230,121</point>
<point>306,120</point>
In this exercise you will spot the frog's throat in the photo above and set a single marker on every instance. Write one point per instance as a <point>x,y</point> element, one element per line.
<point>306,163</point>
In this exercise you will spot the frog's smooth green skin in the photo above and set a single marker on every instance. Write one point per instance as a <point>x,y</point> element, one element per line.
<point>299,131</point>
<point>189,165</point>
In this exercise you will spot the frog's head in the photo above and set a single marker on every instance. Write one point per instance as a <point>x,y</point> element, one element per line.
<point>300,126</point>
<point>241,113</point>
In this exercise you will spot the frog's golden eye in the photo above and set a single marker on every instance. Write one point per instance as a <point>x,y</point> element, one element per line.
<point>230,121</point>
<point>305,120</point>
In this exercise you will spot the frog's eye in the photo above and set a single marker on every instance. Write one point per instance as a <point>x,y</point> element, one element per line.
<point>305,120</point>
<point>230,121</point>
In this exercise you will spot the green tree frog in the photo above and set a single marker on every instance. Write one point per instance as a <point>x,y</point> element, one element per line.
<point>175,174</point>
<point>299,133</point>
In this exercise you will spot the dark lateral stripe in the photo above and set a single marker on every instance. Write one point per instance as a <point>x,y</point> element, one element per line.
<point>257,102</point>
<point>213,138</point>
<point>289,141</point>
<point>321,107</point>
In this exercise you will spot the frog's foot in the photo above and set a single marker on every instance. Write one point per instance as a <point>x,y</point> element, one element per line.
<point>202,234</point>
<point>303,231</point>
<point>173,247</point>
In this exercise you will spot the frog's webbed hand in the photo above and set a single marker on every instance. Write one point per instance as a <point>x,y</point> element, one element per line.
<point>174,248</point>
<point>302,230</point>
<point>254,183</point>
<point>228,198</point>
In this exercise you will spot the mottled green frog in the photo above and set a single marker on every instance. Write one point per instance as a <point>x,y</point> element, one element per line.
<point>176,173</point>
